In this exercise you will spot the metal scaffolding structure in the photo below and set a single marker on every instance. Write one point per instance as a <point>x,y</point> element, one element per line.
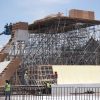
<point>64,41</point>
<point>59,41</point>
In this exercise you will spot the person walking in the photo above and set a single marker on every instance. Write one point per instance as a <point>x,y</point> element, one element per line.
<point>7,90</point>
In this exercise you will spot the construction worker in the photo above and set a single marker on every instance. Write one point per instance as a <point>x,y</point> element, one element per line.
<point>56,76</point>
<point>26,77</point>
<point>48,87</point>
<point>7,90</point>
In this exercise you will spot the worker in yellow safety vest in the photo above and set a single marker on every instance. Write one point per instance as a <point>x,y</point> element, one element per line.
<point>48,87</point>
<point>7,90</point>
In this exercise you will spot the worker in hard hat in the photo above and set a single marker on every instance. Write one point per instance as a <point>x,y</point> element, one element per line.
<point>7,90</point>
<point>26,77</point>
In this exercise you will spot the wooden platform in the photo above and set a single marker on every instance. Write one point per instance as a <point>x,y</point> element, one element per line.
<point>60,24</point>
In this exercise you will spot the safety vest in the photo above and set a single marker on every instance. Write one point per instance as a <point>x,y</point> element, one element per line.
<point>7,87</point>
<point>48,85</point>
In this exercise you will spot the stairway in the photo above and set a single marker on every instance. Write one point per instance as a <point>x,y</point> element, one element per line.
<point>9,71</point>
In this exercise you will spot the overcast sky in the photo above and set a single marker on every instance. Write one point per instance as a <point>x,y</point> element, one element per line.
<point>30,10</point>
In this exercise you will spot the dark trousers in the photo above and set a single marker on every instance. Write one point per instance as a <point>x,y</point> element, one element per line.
<point>7,95</point>
<point>48,90</point>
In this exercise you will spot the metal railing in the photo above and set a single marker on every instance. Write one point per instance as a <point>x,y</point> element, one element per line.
<point>54,93</point>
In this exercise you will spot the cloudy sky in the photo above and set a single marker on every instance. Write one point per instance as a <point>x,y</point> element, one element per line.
<point>30,10</point>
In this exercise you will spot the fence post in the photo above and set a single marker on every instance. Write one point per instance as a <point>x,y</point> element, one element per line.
<point>75,93</point>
